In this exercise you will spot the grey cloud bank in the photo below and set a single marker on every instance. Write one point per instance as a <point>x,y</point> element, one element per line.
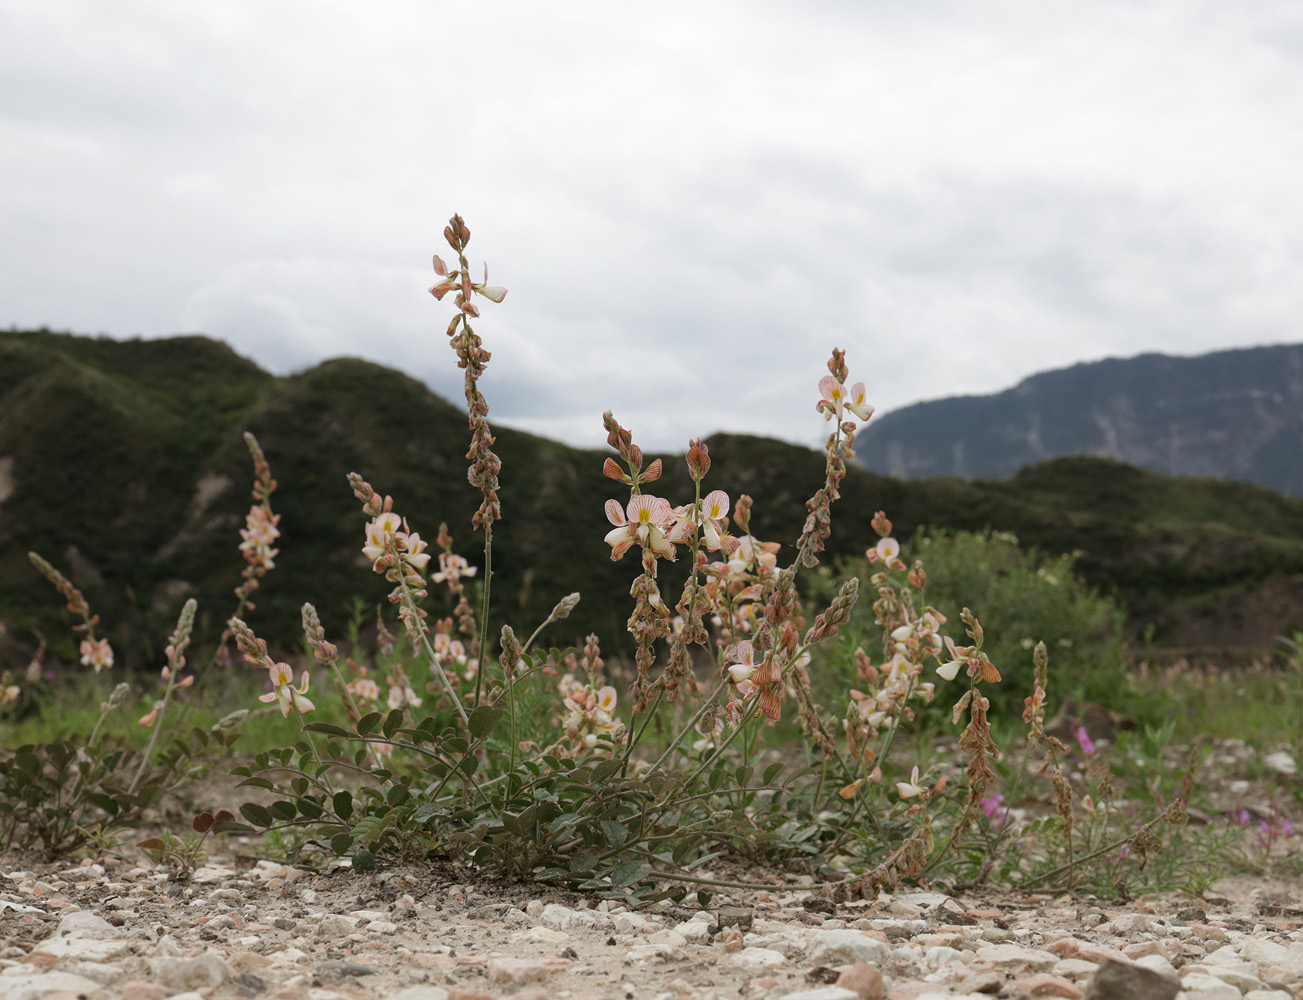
<point>691,205</point>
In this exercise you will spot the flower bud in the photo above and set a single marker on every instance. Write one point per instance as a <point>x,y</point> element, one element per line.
<point>698,459</point>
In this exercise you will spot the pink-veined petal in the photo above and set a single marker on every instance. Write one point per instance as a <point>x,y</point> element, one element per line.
<point>440,268</point>
<point>495,293</point>
<point>715,505</point>
<point>615,513</point>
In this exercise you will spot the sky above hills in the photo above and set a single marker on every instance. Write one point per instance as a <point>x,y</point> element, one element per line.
<point>690,203</point>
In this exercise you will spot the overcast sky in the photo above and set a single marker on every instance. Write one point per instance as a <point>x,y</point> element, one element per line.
<point>690,203</point>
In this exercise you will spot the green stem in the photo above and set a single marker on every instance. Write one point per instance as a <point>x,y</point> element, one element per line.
<point>683,733</point>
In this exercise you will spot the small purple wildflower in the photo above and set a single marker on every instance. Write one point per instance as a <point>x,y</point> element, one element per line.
<point>1084,740</point>
<point>991,806</point>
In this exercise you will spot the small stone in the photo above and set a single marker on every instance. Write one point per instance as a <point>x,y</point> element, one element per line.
<point>516,970</point>
<point>42,984</point>
<point>758,958</point>
<point>823,993</point>
<point>205,875</point>
<point>87,926</point>
<point>1201,986</point>
<point>1014,957</point>
<point>735,916</point>
<point>138,989</point>
<point>1116,980</point>
<point>208,969</point>
<point>1131,923</point>
<point>847,947</point>
<point>335,925</point>
<point>864,979</point>
<point>284,924</point>
<point>352,970</point>
<point>1282,762</point>
<point>1045,985</point>
<point>425,991</point>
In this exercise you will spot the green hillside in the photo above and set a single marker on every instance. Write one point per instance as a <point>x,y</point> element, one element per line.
<point>128,471</point>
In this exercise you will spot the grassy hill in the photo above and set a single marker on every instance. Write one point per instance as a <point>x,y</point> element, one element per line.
<point>127,470</point>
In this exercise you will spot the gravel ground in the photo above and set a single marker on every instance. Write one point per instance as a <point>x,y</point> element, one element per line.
<point>109,928</point>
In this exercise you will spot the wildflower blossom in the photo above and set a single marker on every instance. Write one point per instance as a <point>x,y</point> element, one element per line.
<point>836,398</point>
<point>1084,740</point>
<point>96,653</point>
<point>364,689</point>
<point>885,551</point>
<point>744,664</point>
<point>401,695</point>
<point>452,568</point>
<point>909,789</point>
<point>289,697</point>
<point>646,520</point>
<point>714,512</point>
<point>259,534</point>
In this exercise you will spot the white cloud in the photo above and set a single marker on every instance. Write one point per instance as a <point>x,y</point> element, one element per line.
<point>690,205</point>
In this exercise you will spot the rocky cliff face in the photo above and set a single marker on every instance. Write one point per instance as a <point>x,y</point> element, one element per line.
<point>1229,415</point>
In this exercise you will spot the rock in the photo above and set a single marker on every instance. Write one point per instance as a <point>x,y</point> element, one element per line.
<point>208,969</point>
<point>845,947</point>
<point>1270,955</point>
<point>202,876</point>
<point>335,925</point>
<point>864,979</point>
<point>138,989</point>
<point>823,993</point>
<point>563,918</point>
<point>1015,957</point>
<point>516,970</point>
<point>1045,985</point>
<point>333,968</point>
<point>1201,986</point>
<point>87,926</point>
<point>758,958</point>
<point>1116,980</point>
<point>1282,762</point>
<point>422,992</point>
<point>40,984</point>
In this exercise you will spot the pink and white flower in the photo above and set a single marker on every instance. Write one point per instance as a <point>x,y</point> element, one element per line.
<point>289,697</point>
<point>836,398</point>
<point>646,520</point>
<point>96,653</point>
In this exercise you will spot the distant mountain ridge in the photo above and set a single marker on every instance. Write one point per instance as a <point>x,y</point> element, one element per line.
<point>1234,415</point>
<point>122,462</point>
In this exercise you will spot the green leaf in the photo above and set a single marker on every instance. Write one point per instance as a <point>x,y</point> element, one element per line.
<point>483,719</point>
<point>615,832</point>
<point>368,722</point>
<point>607,768</point>
<point>256,814</point>
<point>771,772</point>
<point>704,896</point>
<point>284,810</point>
<point>343,803</point>
<point>340,843</point>
<point>629,873</point>
<point>392,721</point>
<point>364,861</point>
<point>329,728</point>
<point>583,862</point>
<point>743,774</point>
<point>256,783</point>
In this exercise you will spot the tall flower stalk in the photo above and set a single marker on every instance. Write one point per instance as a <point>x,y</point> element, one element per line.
<point>472,358</point>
